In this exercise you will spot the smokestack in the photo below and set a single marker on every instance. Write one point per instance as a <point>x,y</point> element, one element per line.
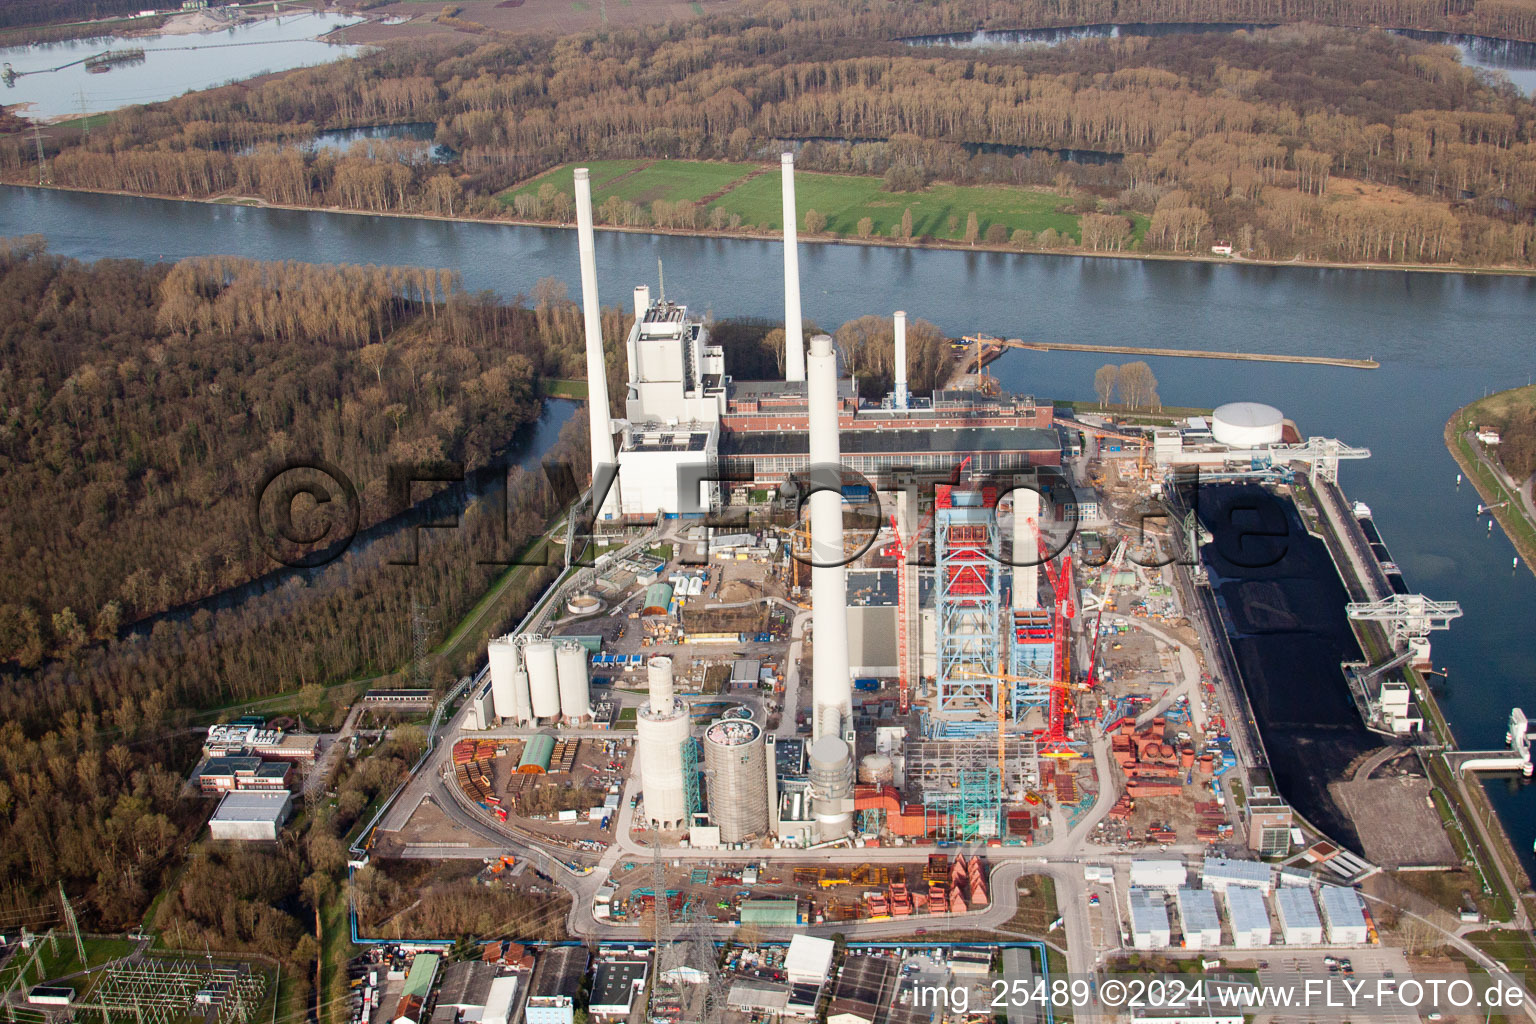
<point>597,371</point>
<point>794,341</point>
<point>901,359</point>
<point>1026,545</point>
<point>831,685</point>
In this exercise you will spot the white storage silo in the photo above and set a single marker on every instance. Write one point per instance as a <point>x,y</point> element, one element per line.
<point>571,673</point>
<point>509,683</point>
<point>543,679</point>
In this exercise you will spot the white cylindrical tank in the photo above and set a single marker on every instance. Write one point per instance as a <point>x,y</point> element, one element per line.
<point>1247,424</point>
<point>876,769</point>
<point>660,669</point>
<point>734,756</point>
<point>543,679</point>
<point>831,684</point>
<point>571,672</point>
<point>505,665</point>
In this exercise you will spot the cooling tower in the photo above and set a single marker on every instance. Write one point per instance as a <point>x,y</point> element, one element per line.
<point>661,730</point>
<point>736,766</point>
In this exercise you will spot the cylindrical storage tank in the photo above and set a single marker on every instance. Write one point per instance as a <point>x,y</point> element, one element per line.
<point>877,770</point>
<point>505,667</point>
<point>734,759</point>
<point>543,679</point>
<point>583,604</point>
<point>660,732</point>
<point>660,669</point>
<point>571,673</point>
<point>1207,764</point>
<point>1187,757</point>
<point>831,777</point>
<point>1247,424</point>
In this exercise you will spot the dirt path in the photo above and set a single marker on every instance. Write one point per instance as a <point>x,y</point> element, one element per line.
<point>719,192</point>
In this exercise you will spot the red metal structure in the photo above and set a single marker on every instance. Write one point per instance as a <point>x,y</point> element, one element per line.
<point>1054,741</point>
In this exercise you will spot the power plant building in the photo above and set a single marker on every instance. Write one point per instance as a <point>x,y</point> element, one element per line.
<point>735,761</point>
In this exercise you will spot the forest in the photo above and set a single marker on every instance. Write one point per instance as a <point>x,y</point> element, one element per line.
<point>1296,142</point>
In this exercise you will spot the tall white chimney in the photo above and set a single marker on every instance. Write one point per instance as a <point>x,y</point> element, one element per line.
<point>831,684</point>
<point>597,372</point>
<point>901,359</point>
<point>794,341</point>
<point>1026,545</point>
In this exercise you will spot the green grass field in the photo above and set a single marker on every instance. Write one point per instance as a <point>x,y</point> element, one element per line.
<point>642,181</point>
<point>939,212</point>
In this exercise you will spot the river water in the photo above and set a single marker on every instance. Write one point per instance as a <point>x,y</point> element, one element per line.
<point>1442,339</point>
<point>1508,57</point>
<point>172,64</point>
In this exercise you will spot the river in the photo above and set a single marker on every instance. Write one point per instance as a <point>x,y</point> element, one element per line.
<point>1441,339</point>
<point>172,64</point>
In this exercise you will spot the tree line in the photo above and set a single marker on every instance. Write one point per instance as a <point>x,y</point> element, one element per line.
<point>1231,125</point>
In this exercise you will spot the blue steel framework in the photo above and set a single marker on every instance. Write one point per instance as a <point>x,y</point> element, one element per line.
<point>691,800</point>
<point>968,601</point>
<point>1033,658</point>
<point>972,809</point>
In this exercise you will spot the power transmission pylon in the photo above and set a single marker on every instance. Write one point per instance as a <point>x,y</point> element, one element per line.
<point>73,925</point>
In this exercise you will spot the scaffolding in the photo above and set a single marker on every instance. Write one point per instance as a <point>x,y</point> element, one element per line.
<point>970,807</point>
<point>163,990</point>
<point>968,600</point>
<point>932,765</point>
<point>691,800</point>
<point>1033,661</point>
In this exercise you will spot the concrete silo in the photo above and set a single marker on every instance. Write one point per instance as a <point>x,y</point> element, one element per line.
<point>509,682</point>
<point>571,674</point>
<point>543,678</point>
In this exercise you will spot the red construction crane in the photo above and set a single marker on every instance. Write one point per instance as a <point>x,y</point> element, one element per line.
<point>1110,568</point>
<point>1053,743</point>
<point>898,550</point>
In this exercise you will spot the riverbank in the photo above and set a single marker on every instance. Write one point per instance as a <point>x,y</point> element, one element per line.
<point>252,202</point>
<point>1510,505</point>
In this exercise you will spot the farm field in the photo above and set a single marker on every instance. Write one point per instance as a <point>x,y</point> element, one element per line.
<point>751,192</point>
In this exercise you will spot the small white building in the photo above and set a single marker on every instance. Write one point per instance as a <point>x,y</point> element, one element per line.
<point>1343,915</point>
<point>1198,919</point>
<point>1149,920</point>
<point>1299,923</point>
<point>1248,917</point>
<point>1159,874</point>
<point>808,960</point>
<point>1220,872</point>
<point>250,815</point>
<point>499,1002</point>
